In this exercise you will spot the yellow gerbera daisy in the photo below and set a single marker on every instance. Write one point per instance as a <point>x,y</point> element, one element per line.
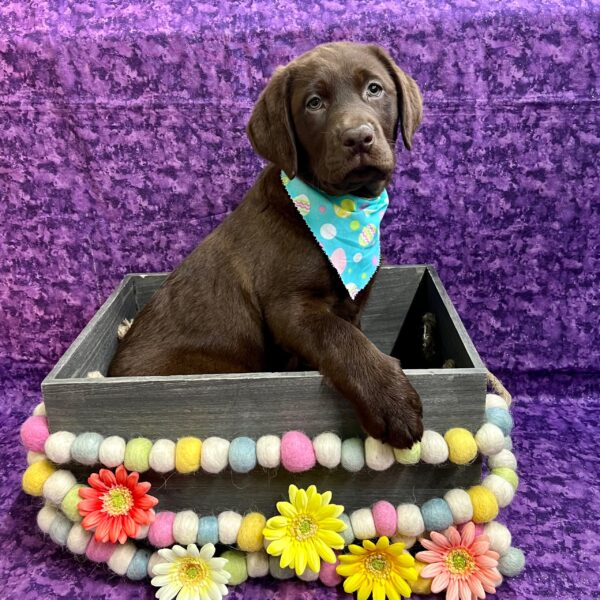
<point>381,569</point>
<point>191,574</point>
<point>306,530</point>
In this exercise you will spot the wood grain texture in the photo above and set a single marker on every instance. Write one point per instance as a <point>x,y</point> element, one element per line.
<point>245,404</point>
<point>255,404</point>
<point>261,488</point>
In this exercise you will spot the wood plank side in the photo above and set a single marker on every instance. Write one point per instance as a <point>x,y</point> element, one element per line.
<point>388,304</point>
<point>457,332</point>
<point>246,404</point>
<point>261,488</point>
<point>95,345</point>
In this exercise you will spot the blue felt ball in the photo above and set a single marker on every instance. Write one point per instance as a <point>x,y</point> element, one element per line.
<point>512,563</point>
<point>86,447</point>
<point>501,418</point>
<point>208,531</point>
<point>437,515</point>
<point>242,454</point>
<point>353,454</point>
<point>59,529</point>
<point>138,567</point>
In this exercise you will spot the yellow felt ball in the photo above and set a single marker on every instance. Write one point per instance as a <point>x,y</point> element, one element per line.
<point>70,502</point>
<point>250,536</point>
<point>462,448</point>
<point>187,454</point>
<point>420,586</point>
<point>35,476</point>
<point>485,505</point>
<point>137,454</point>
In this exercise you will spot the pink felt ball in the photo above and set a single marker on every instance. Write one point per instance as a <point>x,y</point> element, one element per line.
<point>160,533</point>
<point>34,433</point>
<point>384,516</point>
<point>297,452</point>
<point>328,574</point>
<point>99,551</point>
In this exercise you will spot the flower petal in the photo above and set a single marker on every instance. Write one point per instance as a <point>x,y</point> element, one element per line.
<point>440,582</point>
<point>468,534</point>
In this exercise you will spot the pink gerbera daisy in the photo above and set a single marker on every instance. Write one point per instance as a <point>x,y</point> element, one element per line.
<point>461,564</point>
<point>116,506</point>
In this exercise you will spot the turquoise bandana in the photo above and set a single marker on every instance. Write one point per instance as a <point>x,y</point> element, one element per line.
<point>346,227</point>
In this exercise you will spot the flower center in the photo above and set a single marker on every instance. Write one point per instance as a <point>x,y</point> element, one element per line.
<point>117,501</point>
<point>303,527</point>
<point>378,566</point>
<point>191,571</point>
<point>459,562</point>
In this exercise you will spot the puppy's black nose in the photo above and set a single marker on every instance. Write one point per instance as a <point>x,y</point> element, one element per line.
<point>359,138</point>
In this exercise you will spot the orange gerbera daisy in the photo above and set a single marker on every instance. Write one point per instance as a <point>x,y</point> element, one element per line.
<point>116,505</point>
<point>463,565</point>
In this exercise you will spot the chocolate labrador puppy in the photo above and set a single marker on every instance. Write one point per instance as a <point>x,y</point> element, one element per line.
<point>258,294</point>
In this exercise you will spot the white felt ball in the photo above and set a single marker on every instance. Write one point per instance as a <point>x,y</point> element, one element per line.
<point>155,559</point>
<point>410,520</point>
<point>502,490</point>
<point>112,451</point>
<point>328,450</point>
<point>162,456</point>
<point>460,505</point>
<point>495,401</point>
<point>490,439</point>
<point>378,456</point>
<point>363,524</point>
<point>121,558</point>
<point>408,542</point>
<point>185,527</point>
<point>57,485</point>
<point>78,539</point>
<point>308,575</point>
<point>229,525</point>
<point>215,455</point>
<point>268,451</point>
<point>500,537</point>
<point>143,533</point>
<point>276,571</point>
<point>40,410</point>
<point>45,517</point>
<point>504,458</point>
<point>434,449</point>
<point>33,457</point>
<point>257,564</point>
<point>58,447</point>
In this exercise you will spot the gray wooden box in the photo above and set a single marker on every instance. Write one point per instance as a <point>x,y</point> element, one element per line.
<point>255,404</point>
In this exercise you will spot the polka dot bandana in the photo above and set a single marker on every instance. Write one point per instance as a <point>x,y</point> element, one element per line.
<point>346,228</point>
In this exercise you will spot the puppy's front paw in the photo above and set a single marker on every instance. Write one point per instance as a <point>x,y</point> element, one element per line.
<point>396,415</point>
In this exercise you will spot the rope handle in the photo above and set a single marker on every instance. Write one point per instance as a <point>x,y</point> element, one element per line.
<point>498,387</point>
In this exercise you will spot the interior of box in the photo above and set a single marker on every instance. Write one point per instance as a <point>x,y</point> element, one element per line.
<point>408,315</point>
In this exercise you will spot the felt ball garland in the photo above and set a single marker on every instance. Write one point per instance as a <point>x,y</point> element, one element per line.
<point>295,452</point>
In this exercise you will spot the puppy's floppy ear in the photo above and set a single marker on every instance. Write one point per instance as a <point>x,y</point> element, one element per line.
<point>270,127</point>
<point>410,103</point>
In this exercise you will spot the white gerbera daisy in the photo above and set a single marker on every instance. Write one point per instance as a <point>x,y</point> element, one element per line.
<point>191,574</point>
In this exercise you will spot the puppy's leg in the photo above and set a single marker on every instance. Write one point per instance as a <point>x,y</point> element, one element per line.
<point>388,406</point>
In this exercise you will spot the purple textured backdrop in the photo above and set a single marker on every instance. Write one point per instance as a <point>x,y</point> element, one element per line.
<point>122,145</point>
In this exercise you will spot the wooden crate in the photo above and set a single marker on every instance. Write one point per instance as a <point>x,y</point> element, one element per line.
<point>256,404</point>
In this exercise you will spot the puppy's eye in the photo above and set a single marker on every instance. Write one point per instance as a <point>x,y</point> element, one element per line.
<point>374,90</point>
<point>314,103</point>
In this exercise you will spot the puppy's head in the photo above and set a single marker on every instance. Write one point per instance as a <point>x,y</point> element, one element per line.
<point>332,117</point>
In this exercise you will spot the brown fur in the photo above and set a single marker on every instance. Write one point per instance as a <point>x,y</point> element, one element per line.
<point>258,294</point>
